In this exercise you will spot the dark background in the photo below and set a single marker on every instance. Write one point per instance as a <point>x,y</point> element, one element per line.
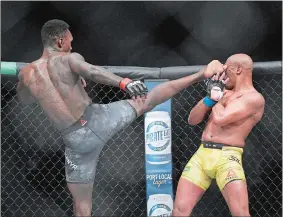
<point>148,33</point>
<point>154,34</point>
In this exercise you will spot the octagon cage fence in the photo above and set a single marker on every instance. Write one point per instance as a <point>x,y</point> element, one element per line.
<point>32,163</point>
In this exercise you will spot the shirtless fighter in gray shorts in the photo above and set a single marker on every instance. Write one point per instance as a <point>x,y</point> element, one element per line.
<point>54,82</point>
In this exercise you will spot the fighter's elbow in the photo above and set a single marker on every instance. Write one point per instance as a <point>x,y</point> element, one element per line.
<point>25,100</point>
<point>193,120</point>
<point>22,101</point>
<point>193,123</point>
<point>218,120</point>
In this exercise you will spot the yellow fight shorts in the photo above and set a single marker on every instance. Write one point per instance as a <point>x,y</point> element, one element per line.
<point>214,161</point>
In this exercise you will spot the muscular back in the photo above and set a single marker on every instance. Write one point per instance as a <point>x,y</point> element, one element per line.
<point>242,110</point>
<point>68,84</point>
<point>57,89</point>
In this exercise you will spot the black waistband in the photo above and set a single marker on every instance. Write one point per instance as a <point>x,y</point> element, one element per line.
<point>214,145</point>
<point>81,122</point>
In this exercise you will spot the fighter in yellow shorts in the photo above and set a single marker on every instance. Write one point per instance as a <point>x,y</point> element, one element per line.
<point>234,113</point>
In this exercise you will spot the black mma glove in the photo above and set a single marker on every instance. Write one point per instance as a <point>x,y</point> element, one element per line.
<point>214,89</point>
<point>134,88</point>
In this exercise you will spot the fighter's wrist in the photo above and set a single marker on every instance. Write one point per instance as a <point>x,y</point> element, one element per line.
<point>209,102</point>
<point>124,82</point>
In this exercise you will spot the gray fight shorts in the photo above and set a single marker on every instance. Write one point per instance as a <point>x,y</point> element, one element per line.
<point>86,138</point>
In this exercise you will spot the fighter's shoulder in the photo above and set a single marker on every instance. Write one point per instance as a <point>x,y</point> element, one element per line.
<point>27,72</point>
<point>75,57</point>
<point>256,98</point>
<point>227,93</point>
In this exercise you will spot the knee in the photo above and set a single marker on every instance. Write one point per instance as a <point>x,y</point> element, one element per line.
<point>82,208</point>
<point>181,209</point>
<point>240,210</point>
<point>145,108</point>
<point>140,106</point>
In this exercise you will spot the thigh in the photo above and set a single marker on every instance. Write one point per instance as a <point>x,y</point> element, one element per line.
<point>236,196</point>
<point>230,178</point>
<point>195,174</point>
<point>229,169</point>
<point>187,196</point>
<point>192,185</point>
<point>109,119</point>
<point>81,168</point>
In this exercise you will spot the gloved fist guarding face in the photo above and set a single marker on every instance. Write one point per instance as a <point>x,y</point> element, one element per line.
<point>215,89</point>
<point>215,86</point>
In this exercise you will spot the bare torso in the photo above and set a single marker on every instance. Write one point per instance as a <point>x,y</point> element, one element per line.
<point>60,92</point>
<point>233,134</point>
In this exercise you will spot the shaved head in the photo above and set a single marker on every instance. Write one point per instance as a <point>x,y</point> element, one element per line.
<point>243,60</point>
<point>239,68</point>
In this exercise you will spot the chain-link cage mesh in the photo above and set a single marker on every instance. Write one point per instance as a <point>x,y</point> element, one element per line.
<point>33,179</point>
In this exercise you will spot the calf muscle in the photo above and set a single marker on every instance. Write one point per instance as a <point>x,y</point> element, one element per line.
<point>165,91</point>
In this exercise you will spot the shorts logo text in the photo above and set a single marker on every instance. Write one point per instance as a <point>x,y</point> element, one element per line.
<point>69,162</point>
<point>233,158</point>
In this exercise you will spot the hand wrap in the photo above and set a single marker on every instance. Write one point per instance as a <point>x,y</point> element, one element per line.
<point>134,88</point>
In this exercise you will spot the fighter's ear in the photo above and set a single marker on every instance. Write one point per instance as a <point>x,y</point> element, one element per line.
<point>239,69</point>
<point>60,42</point>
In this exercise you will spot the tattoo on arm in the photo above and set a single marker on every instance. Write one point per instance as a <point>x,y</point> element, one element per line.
<point>95,73</point>
<point>99,75</point>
